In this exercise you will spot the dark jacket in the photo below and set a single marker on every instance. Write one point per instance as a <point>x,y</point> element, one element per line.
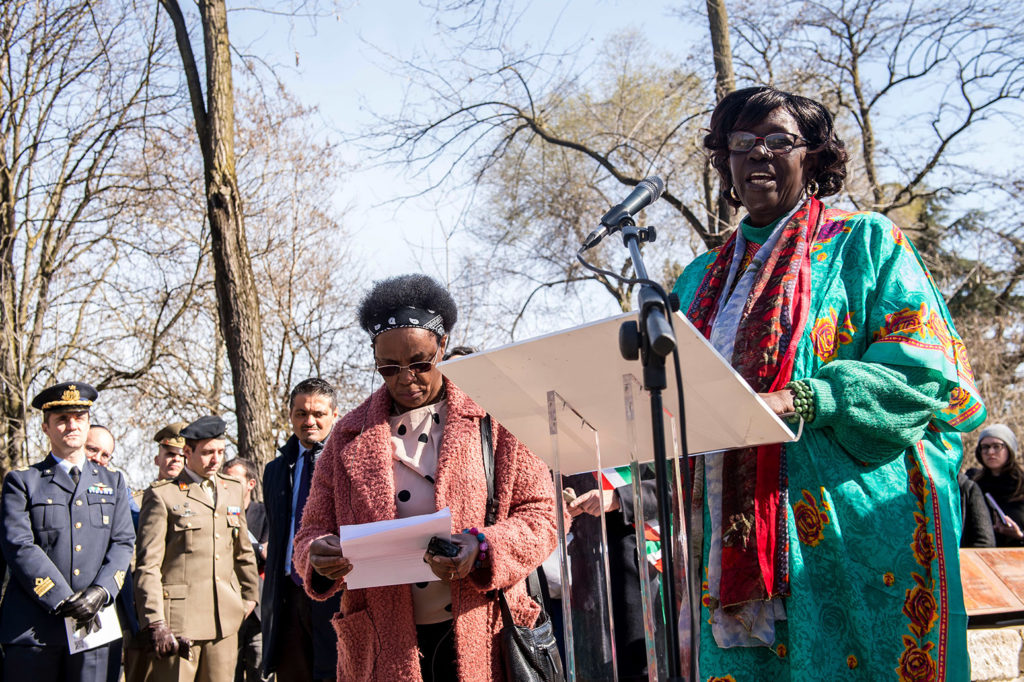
<point>977,520</point>
<point>45,516</point>
<point>277,499</point>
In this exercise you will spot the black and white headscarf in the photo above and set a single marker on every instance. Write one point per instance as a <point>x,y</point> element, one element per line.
<point>409,317</point>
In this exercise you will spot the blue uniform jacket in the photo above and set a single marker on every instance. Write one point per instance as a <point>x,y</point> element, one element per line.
<point>59,539</point>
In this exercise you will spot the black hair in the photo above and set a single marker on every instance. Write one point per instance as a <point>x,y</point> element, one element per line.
<point>749,106</point>
<point>412,291</point>
<point>313,386</point>
<point>252,473</point>
<point>459,351</point>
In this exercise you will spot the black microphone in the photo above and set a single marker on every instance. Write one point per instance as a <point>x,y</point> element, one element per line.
<point>647,191</point>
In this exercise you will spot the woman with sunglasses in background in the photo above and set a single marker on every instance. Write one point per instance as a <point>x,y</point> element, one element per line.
<point>414,447</point>
<point>835,555</point>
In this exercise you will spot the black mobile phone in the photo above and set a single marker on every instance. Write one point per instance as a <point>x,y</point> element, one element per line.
<point>441,547</point>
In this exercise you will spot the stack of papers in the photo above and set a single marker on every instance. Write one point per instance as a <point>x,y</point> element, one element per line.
<point>391,552</point>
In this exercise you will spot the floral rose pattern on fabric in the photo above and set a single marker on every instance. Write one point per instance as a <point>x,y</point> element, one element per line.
<point>810,519</point>
<point>916,663</point>
<point>919,606</point>
<point>827,335</point>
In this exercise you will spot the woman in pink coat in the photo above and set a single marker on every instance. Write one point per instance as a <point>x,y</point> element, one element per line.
<point>413,447</point>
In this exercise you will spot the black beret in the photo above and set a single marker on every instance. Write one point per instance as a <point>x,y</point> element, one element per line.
<point>210,426</point>
<point>71,396</point>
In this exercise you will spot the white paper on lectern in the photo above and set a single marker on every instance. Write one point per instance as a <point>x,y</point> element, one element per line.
<point>584,366</point>
<point>391,552</point>
<point>110,629</point>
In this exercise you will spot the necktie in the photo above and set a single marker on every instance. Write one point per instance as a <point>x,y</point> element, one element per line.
<point>305,479</point>
<point>76,475</point>
<point>209,489</point>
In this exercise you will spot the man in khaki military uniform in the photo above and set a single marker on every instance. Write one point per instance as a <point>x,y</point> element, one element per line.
<point>196,577</point>
<point>169,462</point>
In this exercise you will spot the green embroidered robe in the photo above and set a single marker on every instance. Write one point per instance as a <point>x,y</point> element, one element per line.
<point>874,516</point>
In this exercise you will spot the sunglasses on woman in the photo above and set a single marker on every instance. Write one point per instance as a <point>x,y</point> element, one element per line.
<point>776,143</point>
<point>421,367</point>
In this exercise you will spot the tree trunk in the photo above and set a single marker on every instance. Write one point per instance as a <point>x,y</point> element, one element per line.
<point>237,301</point>
<point>718,20</point>
<point>725,82</point>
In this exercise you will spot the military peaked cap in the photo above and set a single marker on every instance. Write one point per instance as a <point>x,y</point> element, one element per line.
<point>210,426</point>
<point>71,396</point>
<point>171,435</point>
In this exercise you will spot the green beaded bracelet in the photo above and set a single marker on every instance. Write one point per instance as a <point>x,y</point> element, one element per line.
<point>803,399</point>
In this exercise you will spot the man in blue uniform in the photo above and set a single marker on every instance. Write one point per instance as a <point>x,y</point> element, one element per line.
<point>68,538</point>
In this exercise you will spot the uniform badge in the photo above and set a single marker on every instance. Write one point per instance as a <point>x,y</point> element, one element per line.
<point>119,578</point>
<point>106,520</point>
<point>234,511</point>
<point>101,489</point>
<point>183,486</point>
<point>43,585</point>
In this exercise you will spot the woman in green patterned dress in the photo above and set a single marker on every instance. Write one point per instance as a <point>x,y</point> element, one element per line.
<point>833,557</point>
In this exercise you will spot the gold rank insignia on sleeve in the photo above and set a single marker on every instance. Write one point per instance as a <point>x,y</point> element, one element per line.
<point>119,579</point>
<point>43,585</point>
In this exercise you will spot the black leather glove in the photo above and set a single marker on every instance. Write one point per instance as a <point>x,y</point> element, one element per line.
<point>82,606</point>
<point>164,642</point>
<point>90,626</point>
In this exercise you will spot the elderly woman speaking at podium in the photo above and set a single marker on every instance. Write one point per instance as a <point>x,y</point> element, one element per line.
<point>835,555</point>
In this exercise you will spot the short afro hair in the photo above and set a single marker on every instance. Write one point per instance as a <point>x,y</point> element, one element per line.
<point>406,291</point>
<point>749,106</point>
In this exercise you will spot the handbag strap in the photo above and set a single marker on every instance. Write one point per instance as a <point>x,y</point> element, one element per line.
<point>533,586</point>
<point>487,446</point>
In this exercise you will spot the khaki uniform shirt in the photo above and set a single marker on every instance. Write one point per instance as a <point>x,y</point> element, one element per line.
<point>195,565</point>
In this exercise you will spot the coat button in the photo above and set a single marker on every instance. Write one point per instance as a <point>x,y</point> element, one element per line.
<point>188,525</point>
<point>216,535</point>
<point>214,514</point>
<point>76,571</point>
<point>166,594</point>
<point>216,557</point>
<point>78,524</point>
<point>78,548</point>
<point>49,500</point>
<point>78,503</point>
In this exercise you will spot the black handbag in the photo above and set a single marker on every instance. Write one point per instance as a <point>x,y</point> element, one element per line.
<point>529,654</point>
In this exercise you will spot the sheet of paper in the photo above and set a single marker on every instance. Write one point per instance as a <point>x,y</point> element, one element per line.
<point>391,552</point>
<point>110,629</point>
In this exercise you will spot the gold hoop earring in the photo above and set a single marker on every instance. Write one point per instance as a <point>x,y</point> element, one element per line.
<point>732,196</point>
<point>812,188</point>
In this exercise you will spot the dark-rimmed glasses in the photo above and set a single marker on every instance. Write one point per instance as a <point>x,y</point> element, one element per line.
<point>388,371</point>
<point>992,446</point>
<point>777,143</point>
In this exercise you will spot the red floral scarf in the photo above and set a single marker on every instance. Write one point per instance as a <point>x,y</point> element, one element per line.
<point>755,561</point>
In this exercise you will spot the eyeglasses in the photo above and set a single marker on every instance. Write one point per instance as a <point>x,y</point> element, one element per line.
<point>992,446</point>
<point>776,143</point>
<point>388,371</point>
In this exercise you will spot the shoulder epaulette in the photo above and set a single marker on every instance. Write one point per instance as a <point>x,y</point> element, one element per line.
<point>157,484</point>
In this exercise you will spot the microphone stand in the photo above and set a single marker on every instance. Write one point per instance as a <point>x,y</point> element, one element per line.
<point>652,339</point>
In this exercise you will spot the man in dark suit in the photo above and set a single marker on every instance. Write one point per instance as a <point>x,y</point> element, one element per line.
<point>299,643</point>
<point>68,539</point>
<point>250,636</point>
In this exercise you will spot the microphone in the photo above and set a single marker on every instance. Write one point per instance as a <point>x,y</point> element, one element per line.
<point>647,191</point>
